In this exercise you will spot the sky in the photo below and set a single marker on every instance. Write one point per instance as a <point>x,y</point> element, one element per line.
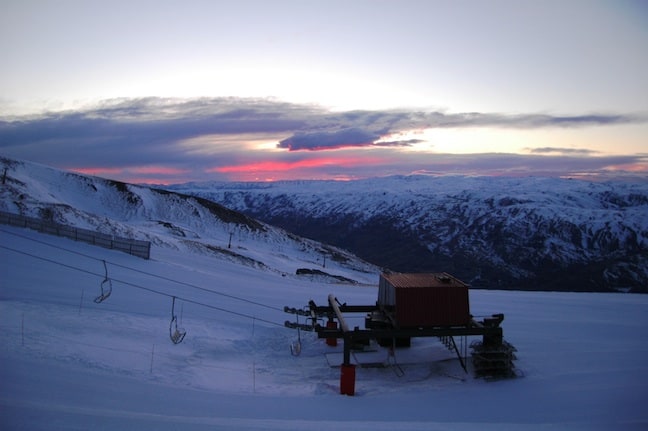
<point>168,92</point>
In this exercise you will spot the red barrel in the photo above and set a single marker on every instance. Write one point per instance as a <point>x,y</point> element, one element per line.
<point>347,379</point>
<point>331,324</point>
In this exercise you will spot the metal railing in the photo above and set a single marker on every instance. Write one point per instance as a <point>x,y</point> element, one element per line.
<point>131,246</point>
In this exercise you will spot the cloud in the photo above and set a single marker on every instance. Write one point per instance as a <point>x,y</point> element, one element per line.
<point>566,151</point>
<point>152,120</point>
<point>353,137</point>
<point>142,131</point>
<point>534,121</point>
<point>402,143</point>
<point>176,139</point>
<point>525,165</point>
<point>345,138</point>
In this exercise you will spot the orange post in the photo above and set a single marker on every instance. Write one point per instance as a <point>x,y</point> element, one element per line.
<point>331,324</point>
<point>347,379</point>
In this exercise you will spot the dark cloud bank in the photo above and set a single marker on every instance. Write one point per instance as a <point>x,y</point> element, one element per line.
<point>149,131</point>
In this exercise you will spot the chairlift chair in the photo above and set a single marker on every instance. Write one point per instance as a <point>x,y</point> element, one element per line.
<point>106,286</point>
<point>176,334</point>
<point>295,346</point>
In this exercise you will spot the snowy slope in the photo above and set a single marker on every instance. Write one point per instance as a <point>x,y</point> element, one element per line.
<point>519,233</point>
<point>70,363</point>
<point>168,220</point>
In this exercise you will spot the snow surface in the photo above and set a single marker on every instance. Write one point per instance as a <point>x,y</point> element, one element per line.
<point>69,363</point>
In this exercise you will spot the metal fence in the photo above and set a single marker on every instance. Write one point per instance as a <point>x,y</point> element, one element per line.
<point>131,246</point>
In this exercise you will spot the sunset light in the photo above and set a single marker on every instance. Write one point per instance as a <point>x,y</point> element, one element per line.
<point>300,169</point>
<point>335,90</point>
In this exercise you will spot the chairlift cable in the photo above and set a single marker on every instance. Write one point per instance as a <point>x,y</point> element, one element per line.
<point>150,274</point>
<point>148,289</point>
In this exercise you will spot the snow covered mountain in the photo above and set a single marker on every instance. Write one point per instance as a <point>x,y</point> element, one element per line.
<point>171,220</point>
<point>504,233</point>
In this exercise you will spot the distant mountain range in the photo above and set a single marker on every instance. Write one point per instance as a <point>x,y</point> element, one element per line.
<point>505,233</point>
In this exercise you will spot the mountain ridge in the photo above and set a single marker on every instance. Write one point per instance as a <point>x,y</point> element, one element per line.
<point>172,220</point>
<point>513,233</point>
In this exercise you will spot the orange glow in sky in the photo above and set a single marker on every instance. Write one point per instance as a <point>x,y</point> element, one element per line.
<point>279,170</point>
<point>639,167</point>
<point>274,166</point>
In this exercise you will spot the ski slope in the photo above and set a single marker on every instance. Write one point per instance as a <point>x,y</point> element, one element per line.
<point>69,363</point>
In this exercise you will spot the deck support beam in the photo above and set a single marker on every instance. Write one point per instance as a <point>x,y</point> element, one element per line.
<point>333,303</point>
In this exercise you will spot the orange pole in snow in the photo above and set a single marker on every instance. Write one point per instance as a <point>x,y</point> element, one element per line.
<point>347,370</point>
<point>347,379</point>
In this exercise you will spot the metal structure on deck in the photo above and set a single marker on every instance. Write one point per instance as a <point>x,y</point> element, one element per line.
<point>491,356</point>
